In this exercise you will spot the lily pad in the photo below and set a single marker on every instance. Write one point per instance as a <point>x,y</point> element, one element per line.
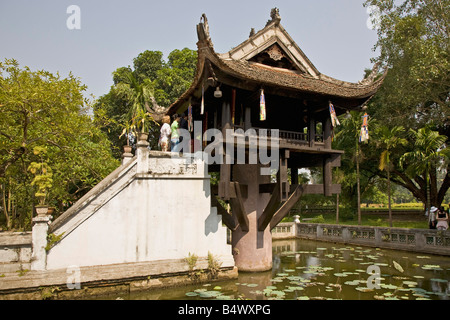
<point>410,283</point>
<point>352,283</point>
<point>397,266</point>
<point>210,294</point>
<point>224,297</point>
<point>191,294</point>
<point>340,274</point>
<point>431,267</point>
<point>363,289</point>
<point>440,280</point>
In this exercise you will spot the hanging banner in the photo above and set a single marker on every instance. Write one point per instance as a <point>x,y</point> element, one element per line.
<point>190,119</point>
<point>203,100</point>
<point>364,135</point>
<point>205,127</point>
<point>233,105</point>
<point>262,106</point>
<point>334,119</point>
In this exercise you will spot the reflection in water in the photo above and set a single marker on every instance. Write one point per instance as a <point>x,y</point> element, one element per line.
<point>306,269</point>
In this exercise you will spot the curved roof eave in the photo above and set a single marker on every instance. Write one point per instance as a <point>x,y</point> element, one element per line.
<point>322,84</point>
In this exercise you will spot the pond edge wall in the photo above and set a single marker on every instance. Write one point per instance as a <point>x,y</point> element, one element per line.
<point>416,240</point>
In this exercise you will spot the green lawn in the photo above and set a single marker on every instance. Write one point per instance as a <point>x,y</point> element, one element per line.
<point>419,222</point>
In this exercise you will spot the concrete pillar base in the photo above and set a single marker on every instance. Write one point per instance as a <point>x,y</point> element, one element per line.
<point>252,250</point>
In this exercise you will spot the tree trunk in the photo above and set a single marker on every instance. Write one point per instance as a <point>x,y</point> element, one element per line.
<point>389,195</point>
<point>358,206</point>
<point>337,208</point>
<point>5,209</point>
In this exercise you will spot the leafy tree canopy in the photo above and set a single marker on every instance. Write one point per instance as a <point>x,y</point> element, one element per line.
<point>151,82</point>
<point>413,40</point>
<point>42,111</point>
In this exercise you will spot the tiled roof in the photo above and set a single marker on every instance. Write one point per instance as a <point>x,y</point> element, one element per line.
<point>308,82</point>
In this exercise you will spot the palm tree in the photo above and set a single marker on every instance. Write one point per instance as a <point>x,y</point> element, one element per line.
<point>388,139</point>
<point>349,135</point>
<point>428,150</point>
<point>141,95</point>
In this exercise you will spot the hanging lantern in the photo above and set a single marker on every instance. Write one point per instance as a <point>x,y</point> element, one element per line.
<point>202,108</point>
<point>262,106</point>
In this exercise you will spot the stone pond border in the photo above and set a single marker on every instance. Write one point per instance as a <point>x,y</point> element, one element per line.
<point>415,240</point>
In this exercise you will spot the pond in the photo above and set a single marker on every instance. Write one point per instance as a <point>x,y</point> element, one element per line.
<point>312,270</point>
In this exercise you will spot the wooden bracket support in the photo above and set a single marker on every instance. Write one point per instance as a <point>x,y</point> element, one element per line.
<point>286,207</point>
<point>228,219</point>
<point>270,209</point>
<point>237,207</point>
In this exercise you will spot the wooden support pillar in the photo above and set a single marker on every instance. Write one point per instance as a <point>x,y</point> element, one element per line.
<point>294,175</point>
<point>327,176</point>
<point>327,133</point>
<point>225,167</point>
<point>248,118</point>
<point>283,175</point>
<point>312,130</point>
<point>328,161</point>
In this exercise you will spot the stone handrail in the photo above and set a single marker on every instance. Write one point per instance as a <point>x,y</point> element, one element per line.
<point>418,240</point>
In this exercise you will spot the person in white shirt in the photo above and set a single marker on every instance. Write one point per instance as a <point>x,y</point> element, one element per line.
<point>164,137</point>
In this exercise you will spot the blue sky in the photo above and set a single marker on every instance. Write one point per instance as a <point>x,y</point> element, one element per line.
<point>332,33</point>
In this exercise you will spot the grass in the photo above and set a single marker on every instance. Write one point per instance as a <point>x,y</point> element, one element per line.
<point>374,220</point>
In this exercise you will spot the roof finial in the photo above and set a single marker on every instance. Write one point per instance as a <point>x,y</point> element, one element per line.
<point>275,16</point>
<point>203,29</point>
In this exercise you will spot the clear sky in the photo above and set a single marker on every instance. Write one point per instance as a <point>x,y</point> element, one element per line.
<point>332,33</point>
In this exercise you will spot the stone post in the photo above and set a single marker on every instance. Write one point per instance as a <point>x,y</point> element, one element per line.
<point>127,155</point>
<point>142,153</point>
<point>39,242</point>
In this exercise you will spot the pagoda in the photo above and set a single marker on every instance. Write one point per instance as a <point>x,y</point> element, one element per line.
<point>266,86</point>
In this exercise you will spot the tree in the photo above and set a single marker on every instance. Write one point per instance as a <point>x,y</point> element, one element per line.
<point>389,139</point>
<point>347,139</point>
<point>42,111</point>
<point>413,41</point>
<point>429,152</point>
<point>153,83</point>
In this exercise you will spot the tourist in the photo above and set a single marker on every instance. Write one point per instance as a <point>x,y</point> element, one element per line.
<point>183,125</point>
<point>164,137</point>
<point>432,218</point>
<point>442,219</point>
<point>175,136</point>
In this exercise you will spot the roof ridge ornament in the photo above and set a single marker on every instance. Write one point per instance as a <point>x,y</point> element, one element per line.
<point>203,29</point>
<point>274,16</point>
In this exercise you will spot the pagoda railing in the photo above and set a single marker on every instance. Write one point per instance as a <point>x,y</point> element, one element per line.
<point>288,136</point>
<point>291,136</point>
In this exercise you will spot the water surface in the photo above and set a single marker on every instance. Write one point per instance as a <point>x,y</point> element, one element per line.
<point>306,269</point>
